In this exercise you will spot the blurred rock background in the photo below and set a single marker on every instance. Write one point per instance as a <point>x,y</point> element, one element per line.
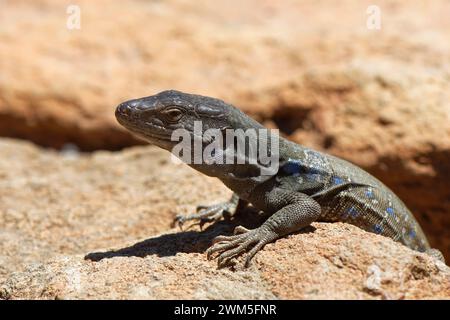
<point>379,98</point>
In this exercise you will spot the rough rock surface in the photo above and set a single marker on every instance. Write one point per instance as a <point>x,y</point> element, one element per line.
<point>94,226</point>
<point>52,203</point>
<point>379,98</point>
<point>251,53</point>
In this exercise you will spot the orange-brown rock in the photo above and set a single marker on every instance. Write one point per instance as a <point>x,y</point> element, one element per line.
<point>324,264</point>
<point>79,226</point>
<point>379,98</point>
<point>59,85</point>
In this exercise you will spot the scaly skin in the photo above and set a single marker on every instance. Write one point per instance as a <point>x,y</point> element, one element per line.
<point>308,185</point>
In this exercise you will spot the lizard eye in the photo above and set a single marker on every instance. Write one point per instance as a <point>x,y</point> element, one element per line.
<point>173,114</point>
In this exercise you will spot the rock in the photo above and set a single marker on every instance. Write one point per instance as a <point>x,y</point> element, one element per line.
<point>79,226</point>
<point>377,98</point>
<point>373,117</point>
<point>54,204</point>
<point>64,90</point>
<point>320,264</point>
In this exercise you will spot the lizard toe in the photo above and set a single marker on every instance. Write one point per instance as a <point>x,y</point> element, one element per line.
<point>225,238</point>
<point>223,245</point>
<point>203,215</point>
<point>226,257</point>
<point>179,221</point>
<point>230,247</point>
<point>240,230</point>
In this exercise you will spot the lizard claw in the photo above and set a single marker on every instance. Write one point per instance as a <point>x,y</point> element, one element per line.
<point>240,230</point>
<point>200,207</point>
<point>230,247</point>
<point>205,214</point>
<point>179,221</point>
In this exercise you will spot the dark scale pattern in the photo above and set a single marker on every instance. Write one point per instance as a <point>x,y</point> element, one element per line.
<point>377,212</point>
<point>369,205</point>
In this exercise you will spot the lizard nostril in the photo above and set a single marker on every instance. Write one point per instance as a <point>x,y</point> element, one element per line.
<point>123,109</point>
<point>133,104</point>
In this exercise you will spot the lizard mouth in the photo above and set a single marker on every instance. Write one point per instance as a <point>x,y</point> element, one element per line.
<point>150,132</point>
<point>146,130</point>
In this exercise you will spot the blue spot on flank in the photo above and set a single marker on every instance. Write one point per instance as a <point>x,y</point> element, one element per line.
<point>337,180</point>
<point>353,212</point>
<point>377,229</point>
<point>390,211</point>
<point>292,167</point>
<point>412,233</point>
<point>369,194</point>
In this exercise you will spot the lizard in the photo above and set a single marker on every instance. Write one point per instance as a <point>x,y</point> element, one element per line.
<point>307,185</point>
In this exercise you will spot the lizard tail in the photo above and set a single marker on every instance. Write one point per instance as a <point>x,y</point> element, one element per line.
<point>435,253</point>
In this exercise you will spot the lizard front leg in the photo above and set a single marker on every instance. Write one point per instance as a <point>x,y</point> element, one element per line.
<point>213,213</point>
<point>294,211</point>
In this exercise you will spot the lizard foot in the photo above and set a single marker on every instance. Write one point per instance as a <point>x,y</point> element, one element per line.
<point>206,214</point>
<point>229,247</point>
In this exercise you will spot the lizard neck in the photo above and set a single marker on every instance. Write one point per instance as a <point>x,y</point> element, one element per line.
<point>246,170</point>
<point>243,175</point>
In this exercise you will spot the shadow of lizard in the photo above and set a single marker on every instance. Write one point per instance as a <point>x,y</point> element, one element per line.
<point>184,242</point>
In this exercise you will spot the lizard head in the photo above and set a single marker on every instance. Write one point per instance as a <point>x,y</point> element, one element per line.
<point>155,118</point>
<point>180,122</point>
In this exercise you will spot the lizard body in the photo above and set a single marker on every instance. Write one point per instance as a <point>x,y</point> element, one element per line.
<point>308,185</point>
